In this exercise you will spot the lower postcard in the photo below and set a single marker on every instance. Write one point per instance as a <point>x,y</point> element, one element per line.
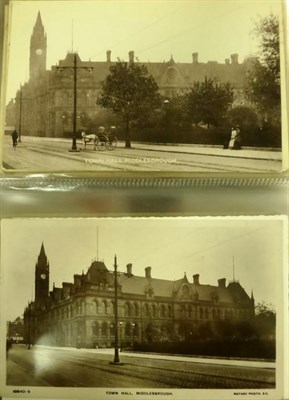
<point>142,308</point>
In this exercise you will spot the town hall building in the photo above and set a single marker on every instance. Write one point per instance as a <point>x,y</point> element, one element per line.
<point>82,313</point>
<point>44,105</point>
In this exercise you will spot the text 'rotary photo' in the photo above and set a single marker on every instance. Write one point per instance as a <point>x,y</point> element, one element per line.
<point>113,303</point>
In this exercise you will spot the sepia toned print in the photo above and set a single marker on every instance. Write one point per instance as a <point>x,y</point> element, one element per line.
<point>114,306</point>
<point>144,87</point>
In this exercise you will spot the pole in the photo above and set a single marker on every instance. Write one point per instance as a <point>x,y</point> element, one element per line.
<point>74,147</point>
<point>20,114</point>
<point>29,326</point>
<point>116,355</point>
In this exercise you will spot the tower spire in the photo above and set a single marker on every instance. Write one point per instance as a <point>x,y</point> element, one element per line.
<point>38,47</point>
<point>38,20</point>
<point>42,251</point>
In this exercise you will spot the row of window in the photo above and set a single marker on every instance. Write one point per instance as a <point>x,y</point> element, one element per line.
<point>148,310</point>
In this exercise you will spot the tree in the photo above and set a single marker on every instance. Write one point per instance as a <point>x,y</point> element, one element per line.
<point>263,87</point>
<point>265,319</point>
<point>209,101</point>
<point>129,92</point>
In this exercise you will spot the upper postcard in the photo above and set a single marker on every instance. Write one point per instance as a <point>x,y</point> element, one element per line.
<point>170,87</point>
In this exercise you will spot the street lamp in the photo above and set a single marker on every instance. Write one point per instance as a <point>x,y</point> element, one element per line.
<point>116,354</point>
<point>20,114</point>
<point>120,330</point>
<point>21,98</point>
<point>75,67</point>
<point>29,326</point>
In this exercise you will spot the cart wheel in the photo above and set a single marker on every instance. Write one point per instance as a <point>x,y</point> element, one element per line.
<point>101,143</point>
<point>111,143</point>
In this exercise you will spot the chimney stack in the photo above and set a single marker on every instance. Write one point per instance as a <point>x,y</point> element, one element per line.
<point>129,269</point>
<point>108,56</point>
<point>131,57</point>
<point>196,279</point>
<point>222,282</point>
<point>195,58</point>
<point>227,61</point>
<point>148,272</point>
<point>234,58</point>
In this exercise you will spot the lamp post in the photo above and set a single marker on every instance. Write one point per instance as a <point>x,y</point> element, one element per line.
<point>116,353</point>
<point>75,67</point>
<point>120,330</point>
<point>20,114</point>
<point>29,326</point>
<point>21,98</point>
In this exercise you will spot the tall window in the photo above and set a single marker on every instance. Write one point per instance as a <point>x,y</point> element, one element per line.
<point>95,328</point>
<point>104,329</point>
<point>127,329</point>
<point>147,310</point>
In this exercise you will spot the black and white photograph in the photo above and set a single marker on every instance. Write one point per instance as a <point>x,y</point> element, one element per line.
<point>164,307</point>
<point>118,86</point>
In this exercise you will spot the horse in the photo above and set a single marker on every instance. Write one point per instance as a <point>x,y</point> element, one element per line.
<point>89,138</point>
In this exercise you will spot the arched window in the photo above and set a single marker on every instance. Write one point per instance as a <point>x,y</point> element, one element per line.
<point>201,313</point>
<point>183,311</point>
<point>169,311</point>
<point>147,310</point>
<point>206,313</point>
<point>129,310</point>
<point>95,328</point>
<point>136,309</point>
<point>128,329</point>
<point>135,329</point>
<point>104,307</point>
<point>111,329</point>
<point>190,311</point>
<point>214,314</point>
<point>154,310</point>
<point>104,329</point>
<point>163,311</point>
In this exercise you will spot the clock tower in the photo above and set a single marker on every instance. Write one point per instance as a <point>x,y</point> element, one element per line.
<point>41,276</point>
<point>38,45</point>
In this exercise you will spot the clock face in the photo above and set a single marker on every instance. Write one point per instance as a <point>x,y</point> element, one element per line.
<point>42,276</point>
<point>39,52</point>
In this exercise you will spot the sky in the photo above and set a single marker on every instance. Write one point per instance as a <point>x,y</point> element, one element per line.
<point>170,246</point>
<point>153,29</point>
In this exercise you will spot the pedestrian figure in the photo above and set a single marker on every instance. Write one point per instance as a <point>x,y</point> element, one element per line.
<point>14,138</point>
<point>235,141</point>
<point>238,139</point>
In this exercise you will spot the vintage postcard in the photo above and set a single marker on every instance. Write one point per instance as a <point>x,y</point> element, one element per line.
<point>119,87</point>
<point>141,308</point>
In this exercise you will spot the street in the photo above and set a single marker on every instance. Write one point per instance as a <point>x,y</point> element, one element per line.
<point>69,367</point>
<point>51,154</point>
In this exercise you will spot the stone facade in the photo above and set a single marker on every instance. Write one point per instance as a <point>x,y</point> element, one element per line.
<point>82,313</point>
<point>15,330</point>
<point>47,98</point>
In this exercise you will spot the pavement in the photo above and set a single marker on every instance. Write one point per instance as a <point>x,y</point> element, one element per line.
<point>254,153</point>
<point>160,356</point>
<point>251,153</point>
